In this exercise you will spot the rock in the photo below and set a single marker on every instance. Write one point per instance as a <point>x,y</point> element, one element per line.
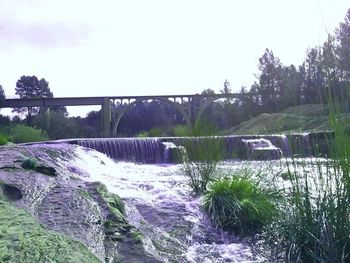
<point>259,149</point>
<point>173,153</point>
<point>65,203</point>
<point>10,192</point>
<point>50,171</point>
<point>29,164</point>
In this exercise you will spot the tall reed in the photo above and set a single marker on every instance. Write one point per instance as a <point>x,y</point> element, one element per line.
<point>314,221</point>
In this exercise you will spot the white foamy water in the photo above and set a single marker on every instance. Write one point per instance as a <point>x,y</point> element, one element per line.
<point>160,205</point>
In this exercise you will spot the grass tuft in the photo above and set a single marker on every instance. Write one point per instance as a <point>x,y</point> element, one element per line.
<point>239,205</point>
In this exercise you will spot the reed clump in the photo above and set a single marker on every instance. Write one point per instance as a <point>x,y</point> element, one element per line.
<point>238,204</point>
<point>314,217</point>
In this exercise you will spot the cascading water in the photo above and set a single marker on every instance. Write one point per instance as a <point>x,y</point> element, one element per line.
<point>233,144</point>
<point>261,149</point>
<point>161,207</point>
<point>141,150</point>
<point>157,150</point>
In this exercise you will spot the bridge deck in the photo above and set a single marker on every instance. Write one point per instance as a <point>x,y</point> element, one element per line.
<point>81,101</point>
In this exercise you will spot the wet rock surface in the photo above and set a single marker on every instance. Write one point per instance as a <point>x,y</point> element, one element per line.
<point>56,194</point>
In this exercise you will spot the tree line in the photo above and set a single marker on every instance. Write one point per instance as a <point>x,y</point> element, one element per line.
<point>324,75</point>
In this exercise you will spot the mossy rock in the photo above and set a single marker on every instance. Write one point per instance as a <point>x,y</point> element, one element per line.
<point>23,239</point>
<point>29,164</point>
<point>115,204</point>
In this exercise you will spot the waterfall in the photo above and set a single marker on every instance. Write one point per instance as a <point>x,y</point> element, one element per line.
<point>160,205</point>
<point>161,150</point>
<point>139,150</point>
<point>301,144</point>
<point>232,144</point>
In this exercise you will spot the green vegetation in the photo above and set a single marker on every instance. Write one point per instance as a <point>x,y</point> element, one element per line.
<point>154,132</point>
<point>29,164</point>
<point>3,139</point>
<point>304,118</point>
<point>182,131</point>
<point>238,204</point>
<point>84,193</point>
<point>22,133</point>
<point>201,163</point>
<point>115,204</point>
<point>314,217</point>
<point>23,239</point>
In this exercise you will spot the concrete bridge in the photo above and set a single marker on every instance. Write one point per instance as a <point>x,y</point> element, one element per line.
<point>190,106</point>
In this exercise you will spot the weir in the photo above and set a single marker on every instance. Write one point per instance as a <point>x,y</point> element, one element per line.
<point>158,150</point>
<point>140,150</point>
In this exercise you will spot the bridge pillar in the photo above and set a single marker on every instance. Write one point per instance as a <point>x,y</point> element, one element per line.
<point>193,111</point>
<point>106,118</point>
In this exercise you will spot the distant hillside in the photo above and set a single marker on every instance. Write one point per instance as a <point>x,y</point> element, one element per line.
<point>305,118</point>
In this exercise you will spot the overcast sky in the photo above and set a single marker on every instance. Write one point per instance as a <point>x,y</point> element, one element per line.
<point>139,47</point>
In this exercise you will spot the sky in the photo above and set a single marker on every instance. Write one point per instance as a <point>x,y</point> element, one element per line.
<point>154,47</point>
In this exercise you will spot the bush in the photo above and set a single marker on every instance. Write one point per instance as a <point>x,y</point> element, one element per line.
<point>22,133</point>
<point>201,128</point>
<point>182,131</point>
<point>237,204</point>
<point>3,139</point>
<point>154,132</point>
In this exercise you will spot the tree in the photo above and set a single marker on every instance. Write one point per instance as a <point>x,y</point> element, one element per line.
<point>227,87</point>
<point>291,86</point>
<point>270,81</point>
<point>31,87</point>
<point>343,48</point>
<point>2,93</point>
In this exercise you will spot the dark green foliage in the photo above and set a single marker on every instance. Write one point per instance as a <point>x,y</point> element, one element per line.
<point>21,133</point>
<point>3,139</point>
<point>32,87</point>
<point>2,94</point>
<point>237,204</point>
<point>57,125</point>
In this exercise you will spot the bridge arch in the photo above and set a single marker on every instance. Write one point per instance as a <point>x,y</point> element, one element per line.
<point>118,115</point>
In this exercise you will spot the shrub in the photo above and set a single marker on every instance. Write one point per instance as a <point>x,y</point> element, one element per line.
<point>142,134</point>
<point>3,139</point>
<point>238,204</point>
<point>182,131</point>
<point>201,128</point>
<point>22,133</point>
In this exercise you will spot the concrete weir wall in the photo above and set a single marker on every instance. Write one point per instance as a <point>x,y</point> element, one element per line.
<point>156,150</point>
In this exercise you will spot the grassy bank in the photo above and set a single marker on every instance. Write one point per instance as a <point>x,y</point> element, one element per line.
<point>304,118</point>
